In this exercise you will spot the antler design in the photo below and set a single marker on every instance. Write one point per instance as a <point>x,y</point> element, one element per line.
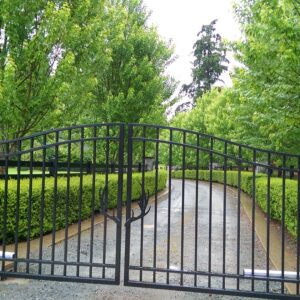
<point>103,195</point>
<point>142,203</point>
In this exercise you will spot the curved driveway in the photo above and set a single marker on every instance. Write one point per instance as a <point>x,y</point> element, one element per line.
<point>33,289</point>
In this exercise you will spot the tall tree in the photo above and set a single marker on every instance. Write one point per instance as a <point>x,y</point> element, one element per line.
<point>46,61</point>
<point>64,62</point>
<point>269,82</point>
<point>134,86</point>
<point>210,61</point>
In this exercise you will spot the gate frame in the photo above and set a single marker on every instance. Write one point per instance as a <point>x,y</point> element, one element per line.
<point>4,272</point>
<point>118,220</point>
<point>211,151</point>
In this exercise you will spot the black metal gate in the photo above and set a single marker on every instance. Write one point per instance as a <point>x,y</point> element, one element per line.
<point>55,187</point>
<point>204,235</point>
<point>211,215</point>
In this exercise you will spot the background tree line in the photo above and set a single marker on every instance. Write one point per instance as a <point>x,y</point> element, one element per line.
<point>73,62</point>
<point>262,108</point>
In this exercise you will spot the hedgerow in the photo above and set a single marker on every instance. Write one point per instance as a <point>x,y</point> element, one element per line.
<point>261,192</point>
<point>43,202</point>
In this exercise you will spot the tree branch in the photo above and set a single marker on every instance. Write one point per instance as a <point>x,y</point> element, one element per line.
<point>33,67</point>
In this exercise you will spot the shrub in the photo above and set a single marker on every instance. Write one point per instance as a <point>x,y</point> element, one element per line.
<point>49,202</point>
<point>261,192</point>
<point>276,195</point>
<point>218,176</point>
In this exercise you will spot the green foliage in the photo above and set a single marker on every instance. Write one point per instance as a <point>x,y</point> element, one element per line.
<point>210,61</point>
<point>89,59</point>
<point>268,84</point>
<point>133,78</point>
<point>218,176</point>
<point>261,192</point>
<point>223,113</point>
<point>262,108</point>
<point>37,201</point>
<point>212,114</point>
<point>291,196</point>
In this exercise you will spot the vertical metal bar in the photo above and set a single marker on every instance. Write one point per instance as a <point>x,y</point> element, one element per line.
<point>29,208</point>
<point>268,221</point>
<point>93,201</point>
<point>106,192</point>
<point>17,203</point>
<point>182,208</point>
<point>155,203</point>
<point>298,228</point>
<point>283,225</point>
<point>238,242</point>
<point>67,202</point>
<point>169,205</point>
<point>128,203</point>
<point>224,213</point>
<point>210,208</point>
<point>253,218</point>
<point>196,212</point>
<point>143,195</point>
<point>5,207</point>
<point>80,201</point>
<point>54,204</point>
<point>42,204</point>
<point>119,203</point>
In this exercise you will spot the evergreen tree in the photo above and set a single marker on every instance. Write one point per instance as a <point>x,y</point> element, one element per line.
<point>210,61</point>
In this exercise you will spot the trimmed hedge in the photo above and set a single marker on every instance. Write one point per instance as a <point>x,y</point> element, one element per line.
<point>61,201</point>
<point>291,194</point>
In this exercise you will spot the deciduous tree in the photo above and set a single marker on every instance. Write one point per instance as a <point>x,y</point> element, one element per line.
<point>67,62</point>
<point>269,82</point>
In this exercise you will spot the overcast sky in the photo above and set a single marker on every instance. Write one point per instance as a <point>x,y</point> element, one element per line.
<point>180,21</point>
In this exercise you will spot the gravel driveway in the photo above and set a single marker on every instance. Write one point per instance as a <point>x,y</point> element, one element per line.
<point>34,289</point>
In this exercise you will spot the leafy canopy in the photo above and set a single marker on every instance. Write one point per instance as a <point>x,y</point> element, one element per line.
<point>66,62</point>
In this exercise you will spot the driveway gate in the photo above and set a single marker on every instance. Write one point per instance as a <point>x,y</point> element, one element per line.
<point>61,210</point>
<point>53,207</point>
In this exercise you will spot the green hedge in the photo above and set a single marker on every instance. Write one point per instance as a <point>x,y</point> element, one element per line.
<point>291,194</point>
<point>61,200</point>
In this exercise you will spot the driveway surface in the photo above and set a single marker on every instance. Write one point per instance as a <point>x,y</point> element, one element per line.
<point>34,289</point>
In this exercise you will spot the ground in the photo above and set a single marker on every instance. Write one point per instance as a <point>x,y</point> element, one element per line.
<point>34,289</point>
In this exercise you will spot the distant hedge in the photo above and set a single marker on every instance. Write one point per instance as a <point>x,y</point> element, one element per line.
<point>61,201</point>
<point>291,194</point>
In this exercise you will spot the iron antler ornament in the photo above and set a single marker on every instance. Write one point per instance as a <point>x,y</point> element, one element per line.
<point>142,203</point>
<point>103,195</point>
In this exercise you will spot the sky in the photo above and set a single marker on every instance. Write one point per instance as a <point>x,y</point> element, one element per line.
<point>180,21</point>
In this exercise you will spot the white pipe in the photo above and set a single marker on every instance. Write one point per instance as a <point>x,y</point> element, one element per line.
<point>276,274</point>
<point>7,255</point>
